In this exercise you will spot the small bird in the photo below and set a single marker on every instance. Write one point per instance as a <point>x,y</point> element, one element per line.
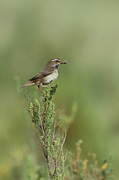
<point>48,75</point>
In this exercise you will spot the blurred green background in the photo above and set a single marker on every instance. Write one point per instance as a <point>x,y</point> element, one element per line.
<point>86,34</point>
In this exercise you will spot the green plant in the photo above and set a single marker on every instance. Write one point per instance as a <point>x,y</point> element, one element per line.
<point>89,168</point>
<point>51,140</point>
<point>51,136</point>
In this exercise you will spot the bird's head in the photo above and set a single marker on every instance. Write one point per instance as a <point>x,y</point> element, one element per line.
<point>54,63</point>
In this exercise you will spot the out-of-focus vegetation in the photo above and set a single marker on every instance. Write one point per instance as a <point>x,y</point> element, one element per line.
<point>85,33</point>
<point>59,164</point>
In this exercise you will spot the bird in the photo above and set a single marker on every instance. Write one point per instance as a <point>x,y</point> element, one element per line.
<point>48,75</point>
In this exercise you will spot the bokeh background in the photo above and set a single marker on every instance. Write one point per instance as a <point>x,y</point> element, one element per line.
<point>86,34</point>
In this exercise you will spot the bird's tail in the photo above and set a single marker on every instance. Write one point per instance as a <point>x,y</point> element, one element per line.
<point>28,83</point>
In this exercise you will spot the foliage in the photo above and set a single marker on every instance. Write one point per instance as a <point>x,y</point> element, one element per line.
<point>51,141</point>
<point>87,168</point>
<point>51,136</point>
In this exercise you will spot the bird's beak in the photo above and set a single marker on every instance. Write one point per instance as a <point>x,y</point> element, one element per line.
<point>63,62</point>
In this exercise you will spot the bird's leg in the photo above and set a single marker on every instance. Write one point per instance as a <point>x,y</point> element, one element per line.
<point>41,86</point>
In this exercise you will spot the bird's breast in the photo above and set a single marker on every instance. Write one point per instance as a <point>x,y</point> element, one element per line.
<point>51,77</point>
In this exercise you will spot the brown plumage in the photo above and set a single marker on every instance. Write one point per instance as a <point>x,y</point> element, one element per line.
<point>49,74</point>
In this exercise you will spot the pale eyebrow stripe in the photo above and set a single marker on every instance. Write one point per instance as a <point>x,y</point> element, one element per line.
<point>54,59</point>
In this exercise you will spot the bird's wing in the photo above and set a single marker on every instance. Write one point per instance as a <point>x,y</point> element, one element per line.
<point>40,76</point>
<point>37,78</point>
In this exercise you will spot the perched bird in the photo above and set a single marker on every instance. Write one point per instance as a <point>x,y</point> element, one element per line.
<point>49,74</point>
